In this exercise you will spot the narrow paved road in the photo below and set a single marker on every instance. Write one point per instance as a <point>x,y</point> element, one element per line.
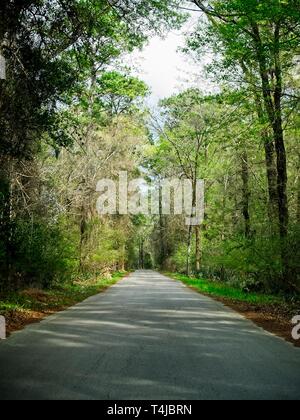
<point>148,337</point>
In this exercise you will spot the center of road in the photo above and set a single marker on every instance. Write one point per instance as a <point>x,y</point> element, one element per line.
<point>148,338</point>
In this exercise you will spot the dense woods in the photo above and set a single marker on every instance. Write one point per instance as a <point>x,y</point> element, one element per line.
<point>71,114</point>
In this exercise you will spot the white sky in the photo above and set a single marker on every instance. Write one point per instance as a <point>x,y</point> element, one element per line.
<point>165,69</point>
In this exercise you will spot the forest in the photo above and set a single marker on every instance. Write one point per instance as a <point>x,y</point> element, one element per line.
<point>72,113</point>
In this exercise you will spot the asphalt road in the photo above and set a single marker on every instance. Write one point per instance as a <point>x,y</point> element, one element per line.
<point>150,338</point>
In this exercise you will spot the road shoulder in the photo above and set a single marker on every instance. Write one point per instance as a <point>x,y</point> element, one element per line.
<point>30,306</point>
<point>274,318</point>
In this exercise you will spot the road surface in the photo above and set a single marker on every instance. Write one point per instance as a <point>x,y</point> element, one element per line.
<point>148,337</point>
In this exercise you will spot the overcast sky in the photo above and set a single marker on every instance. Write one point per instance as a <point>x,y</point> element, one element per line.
<point>165,69</point>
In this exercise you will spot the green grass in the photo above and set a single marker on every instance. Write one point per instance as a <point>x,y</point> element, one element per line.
<point>221,290</point>
<point>57,298</point>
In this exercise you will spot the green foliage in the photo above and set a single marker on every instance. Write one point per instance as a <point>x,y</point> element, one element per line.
<point>56,298</point>
<point>221,290</point>
<point>230,137</point>
<point>43,253</point>
<point>58,91</point>
<point>69,118</point>
<point>109,251</point>
<point>118,93</point>
<point>244,143</point>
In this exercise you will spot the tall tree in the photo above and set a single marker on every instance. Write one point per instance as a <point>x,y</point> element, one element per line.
<point>264,35</point>
<point>54,49</point>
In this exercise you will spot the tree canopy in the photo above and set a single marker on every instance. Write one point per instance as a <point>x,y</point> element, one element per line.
<point>71,113</point>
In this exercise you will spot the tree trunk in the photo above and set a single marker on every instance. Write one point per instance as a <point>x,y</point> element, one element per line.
<point>6,227</point>
<point>224,204</point>
<point>163,252</point>
<point>270,152</point>
<point>298,202</point>
<point>141,256</point>
<point>83,228</point>
<point>282,177</point>
<point>279,140</point>
<point>246,194</point>
<point>273,107</point>
<point>122,265</point>
<point>298,194</point>
<point>189,249</point>
<point>190,233</point>
<point>198,248</point>
<point>272,179</point>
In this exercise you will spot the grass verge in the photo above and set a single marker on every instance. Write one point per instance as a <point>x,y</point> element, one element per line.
<point>273,313</point>
<point>31,305</point>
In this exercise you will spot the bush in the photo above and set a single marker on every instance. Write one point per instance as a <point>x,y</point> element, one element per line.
<point>253,264</point>
<point>41,254</point>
